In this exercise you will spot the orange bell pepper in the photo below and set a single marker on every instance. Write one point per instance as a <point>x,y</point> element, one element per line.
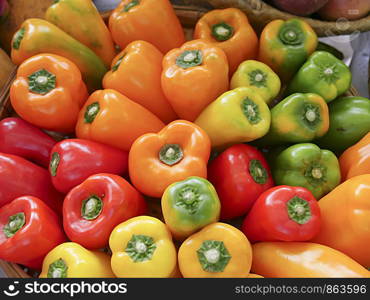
<point>49,92</point>
<point>230,30</point>
<point>140,84</point>
<point>193,76</point>
<point>153,21</point>
<point>113,119</point>
<point>356,159</point>
<point>345,219</point>
<point>179,150</point>
<point>301,259</point>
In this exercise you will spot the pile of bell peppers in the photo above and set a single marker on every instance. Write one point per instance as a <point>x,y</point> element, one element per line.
<point>257,161</point>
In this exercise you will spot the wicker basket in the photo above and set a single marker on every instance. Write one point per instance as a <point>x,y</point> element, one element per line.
<point>188,16</point>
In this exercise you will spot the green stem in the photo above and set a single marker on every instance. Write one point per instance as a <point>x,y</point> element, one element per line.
<point>189,198</point>
<point>91,112</point>
<point>251,111</point>
<point>58,269</point>
<point>18,37</point>
<point>140,248</point>
<point>222,31</point>
<point>41,82</point>
<point>91,207</point>
<point>54,163</point>
<point>291,35</point>
<point>257,171</point>
<point>118,63</point>
<point>189,59</point>
<point>171,154</point>
<point>258,78</point>
<point>130,5</point>
<point>15,223</point>
<point>299,210</point>
<point>311,115</point>
<point>213,256</point>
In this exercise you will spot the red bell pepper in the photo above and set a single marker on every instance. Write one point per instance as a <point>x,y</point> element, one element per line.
<point>21,138</point>
<point>20,177</point>
<point>240,174</point>
<point>74,160</point>
<point>92,209</point>
<point>283,213</point>
<point>29,229</point>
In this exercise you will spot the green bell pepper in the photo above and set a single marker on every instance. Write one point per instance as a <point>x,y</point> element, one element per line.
<point>308,166</point>
<point>322,74</point>
<point>349,122</point>
<point>189,205</point>
<point>296,119</point>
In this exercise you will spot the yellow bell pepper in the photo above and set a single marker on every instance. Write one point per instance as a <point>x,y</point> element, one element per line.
<point>218,250</point>
<point>143,247</point>
<point>70,260</point>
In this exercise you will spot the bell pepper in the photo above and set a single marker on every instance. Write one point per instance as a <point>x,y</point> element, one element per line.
<point>140,84</point>
<point>349,122</point>
<point>88,26</point>
<point>113,119</point>
<point>308,166</point>
<point>92,209</point>
<point>296,119</point>
<point>285,46</point>
<point>29,229</point>
<point>193,76</point>
<point>240,175</point>
<point>142,247</point>
<point>74,160</point>
<point>258,76</point>
<point>71,260</point>
<point>218,250</point>
<point>322,74</point>
<point>303,259</point>
<point>283,213</point>
<point>38,36</point>
<point>21,138</point>
<point>19,177</point>
<point>49,92</point>
<point>346,219</point>
<point>237,116</point>
<point>356,159</point>
<point>153,21</point>
<point>190,205</point>
<point>230,30</point>
<point>179,150</point>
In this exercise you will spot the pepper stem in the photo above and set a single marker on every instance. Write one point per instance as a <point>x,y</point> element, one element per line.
<point>213,256</point>
<point>41,82</point>
<point>291,34</point>
<point>18,37</point>
<point>257,78</point>
<point>91,207</point>
<point>316,173</point>
<point>188,197</point>
<point>257,171</point>
<point>189,58</point>
<point>118,63</point>
<point>91,112</point>
<point>299,210</point>
<point>130,5</point>
<point>140,248</point>
<point>222,31</point>
<point>171,154</point>
<point>54,163</point>
<point>58,269</point>
<point>251,111</point>
<point>15,223</point>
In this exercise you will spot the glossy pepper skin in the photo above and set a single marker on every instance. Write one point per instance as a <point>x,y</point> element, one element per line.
<point>258,76</point>
<point>113,119</point>
<point>346,219</point>
<point>140,84</point>
<point>322,74</point>
<point>240,175</point>
<point>193,76</point>
<point>49,92</point>
<point>179,150</point>
<point>142,247</point>
<point>296,119</point>
<point>218,250</point>
<point>285,46</point>
<point>21,138</point>
<point>190,205</point>
<point>303,259</point>
<point>20,177</point>
<point>71,260</point>
<point>356,159</point>
<point>283,213</point>
<point>153,21</point>
<point>87,27</point>
<point>237,116</point>
<point>349,122</point>
<point>74,160</point>
<point>29,229</point>
<point>92,209</point>
<point>308,166</point>
<point>229,29</point>
<point>38,36</point>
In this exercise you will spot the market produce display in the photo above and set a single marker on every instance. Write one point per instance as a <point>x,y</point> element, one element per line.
<point>226,155</point>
